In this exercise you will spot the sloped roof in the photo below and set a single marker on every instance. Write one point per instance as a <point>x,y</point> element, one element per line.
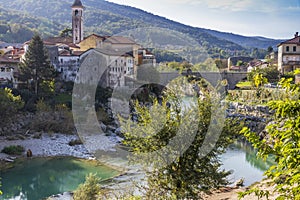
<point>295,40</point>
<point>119,40</point>
<point>113,52</point>
<point>5,59</point>
<point>78,53</point>
<point>95,35</point>
<point>77,3</point>
<point>57,40</point>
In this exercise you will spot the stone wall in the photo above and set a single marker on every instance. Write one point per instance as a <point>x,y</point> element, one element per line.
<point>256,117</point>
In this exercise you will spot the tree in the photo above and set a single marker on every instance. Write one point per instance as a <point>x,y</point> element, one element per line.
<point>259,80</point>
<point>67,32</point>
<point>190,173</point>
<point>282,140</point>
<point>270,49</point>
<point>36,67</point>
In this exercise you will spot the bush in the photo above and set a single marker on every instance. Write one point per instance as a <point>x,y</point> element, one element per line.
<point>13,150</point>
<point>89,190</point>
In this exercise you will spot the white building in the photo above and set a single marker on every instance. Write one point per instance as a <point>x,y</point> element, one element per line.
<point>8,72</point>
<point>289,54</point>
<point>108,65</point>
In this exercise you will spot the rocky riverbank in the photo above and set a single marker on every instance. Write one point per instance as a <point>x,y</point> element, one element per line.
<point>47,145</point>
<point>256,117</point>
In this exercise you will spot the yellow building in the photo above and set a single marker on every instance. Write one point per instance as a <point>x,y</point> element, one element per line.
<point>91,41</point>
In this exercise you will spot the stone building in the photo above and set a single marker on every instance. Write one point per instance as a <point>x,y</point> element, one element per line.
<point>289,54</point>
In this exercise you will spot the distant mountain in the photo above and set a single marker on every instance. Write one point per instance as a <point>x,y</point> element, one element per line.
<point>105,18</point>
<point>20,27</point>
<point>258,42</point>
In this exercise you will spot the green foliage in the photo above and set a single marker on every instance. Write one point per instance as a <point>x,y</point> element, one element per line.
<point>259,80</point>
<point>66,32</point>
<point>190,173</point>
<point>244,85</point>
<point>240,63</point>
<point>259,193</point>
<point>42,106</point>
<point>166,56</point>
<point>20,27</point>
<point>282,141</point>
<point>13,150</point>
<point>9,104</point>
<point>36,69</point>
<point>271,73</point>
<point>147,74</point>
<point>221,63</point>
<point>89,190</point>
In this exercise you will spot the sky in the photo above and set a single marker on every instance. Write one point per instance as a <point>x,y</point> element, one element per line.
<point>278,19</point>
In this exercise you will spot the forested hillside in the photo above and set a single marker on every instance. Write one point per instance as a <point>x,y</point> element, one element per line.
<point>105,18</point>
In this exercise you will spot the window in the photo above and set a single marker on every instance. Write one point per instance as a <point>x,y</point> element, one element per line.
<point>287,49</point>
<point>294,48</point>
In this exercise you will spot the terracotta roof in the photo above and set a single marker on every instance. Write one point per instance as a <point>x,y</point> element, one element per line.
<point>77,3</point>
<point>98,36</point>
<point>119,40</point>
<point>57,40</point>
<point>4,59</point>
<point>113,52</point>
<point>64,52</point>
<point>78,53</point>
<point>295,40</point>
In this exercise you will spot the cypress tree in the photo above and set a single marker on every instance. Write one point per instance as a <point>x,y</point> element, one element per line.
<point>36,66</point>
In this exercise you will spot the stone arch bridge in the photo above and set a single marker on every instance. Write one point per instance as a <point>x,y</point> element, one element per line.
<point>212,77</point>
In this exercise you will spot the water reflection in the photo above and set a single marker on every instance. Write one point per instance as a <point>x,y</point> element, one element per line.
<point>41,177</point>
<point>242,160</point>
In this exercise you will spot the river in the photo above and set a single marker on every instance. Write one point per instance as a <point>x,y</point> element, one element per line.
<point>37,178</point>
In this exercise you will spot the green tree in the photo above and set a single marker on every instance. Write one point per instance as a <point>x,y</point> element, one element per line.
<point>188,174</point>
<point>36,67</point>
<point>270,49</point>
<point>67,32</point>
<point>271,73</point>
<point>259,80</point>
<point>282,141</point>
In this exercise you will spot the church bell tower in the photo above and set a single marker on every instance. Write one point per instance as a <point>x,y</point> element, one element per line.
<point>77,21</point>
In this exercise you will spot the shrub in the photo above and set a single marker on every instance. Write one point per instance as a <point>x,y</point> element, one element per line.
<point>89,190</point>
<point>13,150</point>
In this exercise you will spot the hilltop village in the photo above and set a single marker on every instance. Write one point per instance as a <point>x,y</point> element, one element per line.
<point>68,51</point>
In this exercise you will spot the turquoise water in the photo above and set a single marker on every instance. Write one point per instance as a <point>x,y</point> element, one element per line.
<point>241,159</point>
<point>37,178</point>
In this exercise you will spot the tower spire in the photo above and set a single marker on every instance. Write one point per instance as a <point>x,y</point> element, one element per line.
<point>77,21</point>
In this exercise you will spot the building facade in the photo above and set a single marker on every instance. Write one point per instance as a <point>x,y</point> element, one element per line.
<point>289,55</point>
